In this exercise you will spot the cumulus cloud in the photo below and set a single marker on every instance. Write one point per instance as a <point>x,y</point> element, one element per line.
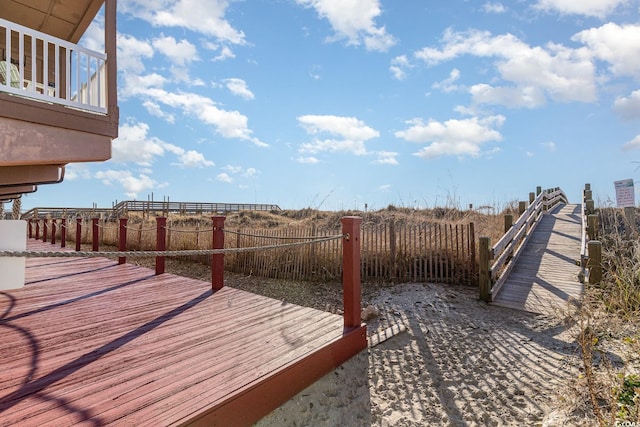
<point>349,134</point>
<point>131,52</point>
<point>224,177</point>
<point>239,87</point>
<point>189,14</point>
<point>386,158</point>
<point>494,7</point>
<point>452,137</point>
<point>617,45</point>
<point>553,71</point>
<point>549,145</point>
<point>399,66</point>
<point>595,8</point>
<point>448,84</point>
<point>134,145</point>
<point>133,185</point>
<point>307,159</point>
<point>633,144</point>
<point>354,20</point>
<point>628,107</point>
<point>180,52</point>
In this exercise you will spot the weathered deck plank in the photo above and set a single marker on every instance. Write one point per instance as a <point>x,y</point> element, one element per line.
<point>545,276</point>
<point>88,341</point>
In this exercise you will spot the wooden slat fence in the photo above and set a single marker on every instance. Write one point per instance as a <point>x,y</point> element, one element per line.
<point>390,252</point>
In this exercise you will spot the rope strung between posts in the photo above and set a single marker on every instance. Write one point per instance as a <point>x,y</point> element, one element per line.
<point>129,227</point>
<point>177,230</point>
<point>188,252</point>
<point>273,237</point>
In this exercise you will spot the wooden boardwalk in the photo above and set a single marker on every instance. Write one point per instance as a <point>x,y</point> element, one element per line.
<point>545,276</point>
<point>91,342</point>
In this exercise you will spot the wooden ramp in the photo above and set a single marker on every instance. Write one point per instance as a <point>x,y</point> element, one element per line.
<point>545,276</point>
<point>91,342</point>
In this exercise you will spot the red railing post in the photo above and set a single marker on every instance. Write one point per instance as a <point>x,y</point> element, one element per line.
<point>37,228</point>
<point>351,271</point>
<point>45,227</point>
<point>30,224</point>
<point>95,234</point>
<point>122,239</point>
<point>217,260</point>
<point>78,232</point>
<point>63,233</point>
<point>53,231</point>
<point>161,233</point>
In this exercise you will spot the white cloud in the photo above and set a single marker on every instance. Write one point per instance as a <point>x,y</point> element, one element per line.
<point>131,184</point>
<point>224,177</point>
<point>617,45</point>
<point>385,188</point>
<point>239,87</point>
<point>354,20</point>
<point>386,158</point>
<point>191,14</point>
<point>134,145</point>
<point>628,108</point>
<point>528,96</point>
<point>549,145</point>
<point>180,53</point>
<point>494,7</point>
<point>241,171</point>
<point>633,144</point>
<point>560,73</point>
<point>131,52</point>
<point>447,85</point>
<point>453,137</point>
<point>154,109</point>
<point>309,160</point>
<point>595,8</point>
<point>351,134</point>
<point>399,66</point>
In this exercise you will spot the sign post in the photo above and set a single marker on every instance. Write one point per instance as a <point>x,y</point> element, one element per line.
<point>625,198</point>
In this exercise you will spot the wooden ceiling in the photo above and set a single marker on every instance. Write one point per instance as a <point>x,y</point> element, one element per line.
<point>65,19</point>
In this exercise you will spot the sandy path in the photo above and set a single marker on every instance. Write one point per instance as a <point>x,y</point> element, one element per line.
<point>460,362</point>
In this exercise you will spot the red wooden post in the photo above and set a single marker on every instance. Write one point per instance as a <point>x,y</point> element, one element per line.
<point>45,226</point>
<point>95,235</point>
<point>122,239</point>
<point>78,232</point>
<point>53,231</point>
<point>30,228</point>
<point>351,271</point>
<point>217,260</point>
<point>161,233</point>
<point>63,233</point>
<point>37,228</point>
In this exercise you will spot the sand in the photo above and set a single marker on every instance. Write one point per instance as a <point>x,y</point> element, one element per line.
<point>460,362</point>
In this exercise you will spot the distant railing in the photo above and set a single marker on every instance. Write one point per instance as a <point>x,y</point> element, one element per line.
<point>52,69</point>
<point>591,247</point>
<point>507,250</point>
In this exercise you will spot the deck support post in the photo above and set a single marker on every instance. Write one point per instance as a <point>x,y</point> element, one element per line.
<point>95,235</point>
<point>78,232</point>
<point>63,232</point>
<point>53,231</point>
<point>30,227</point>
<point>122,239</point>
<point>484,275</point>
<point>45,227</point>
<point>351,271</point>
<point>217,260</point>
<point>595,262</point>
<point>37,228</point>
<point>161,242</point>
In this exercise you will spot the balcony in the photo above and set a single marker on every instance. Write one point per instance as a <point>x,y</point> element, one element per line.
<point>58,100</point>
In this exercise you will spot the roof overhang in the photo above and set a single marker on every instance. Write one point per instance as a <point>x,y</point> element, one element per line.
<point>65,19</point>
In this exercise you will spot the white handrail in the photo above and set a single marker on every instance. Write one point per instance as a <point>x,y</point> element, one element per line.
<point>83,90</point>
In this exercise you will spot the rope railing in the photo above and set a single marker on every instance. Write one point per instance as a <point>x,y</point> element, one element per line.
<point>262,236</point>
<point>141,254</point>
<point>350,238</point>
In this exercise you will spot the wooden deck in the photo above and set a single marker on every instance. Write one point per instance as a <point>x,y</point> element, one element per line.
<point>545,276</point>
<point>91,342</point>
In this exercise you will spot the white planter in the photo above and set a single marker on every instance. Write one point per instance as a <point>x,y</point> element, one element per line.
<point>13,237</point>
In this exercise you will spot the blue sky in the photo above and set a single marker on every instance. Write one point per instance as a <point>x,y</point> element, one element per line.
<point>338,104</point>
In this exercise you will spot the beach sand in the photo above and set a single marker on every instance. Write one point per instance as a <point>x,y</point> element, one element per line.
<point>459,362</point>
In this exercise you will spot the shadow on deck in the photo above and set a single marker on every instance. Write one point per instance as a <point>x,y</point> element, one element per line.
<point>93,342</point>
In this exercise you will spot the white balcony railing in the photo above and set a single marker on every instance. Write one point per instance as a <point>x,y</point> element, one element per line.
<point>37,65</point>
